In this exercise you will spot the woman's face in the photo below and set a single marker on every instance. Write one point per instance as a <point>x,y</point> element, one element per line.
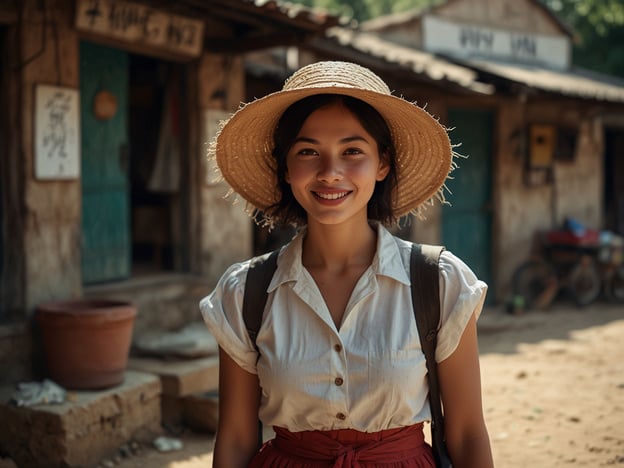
<point>333,166</point>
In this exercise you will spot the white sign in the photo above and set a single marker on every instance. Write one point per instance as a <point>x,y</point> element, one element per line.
<point>57,133</point>
<point>140,24</point>
<point>466,41</point>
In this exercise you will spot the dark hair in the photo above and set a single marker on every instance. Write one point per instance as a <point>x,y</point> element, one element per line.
<point>287,210</point>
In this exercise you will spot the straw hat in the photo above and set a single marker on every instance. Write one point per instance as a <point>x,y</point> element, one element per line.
<point>243,147</point>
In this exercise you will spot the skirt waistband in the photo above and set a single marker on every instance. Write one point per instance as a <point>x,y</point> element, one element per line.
<point>347,447</point>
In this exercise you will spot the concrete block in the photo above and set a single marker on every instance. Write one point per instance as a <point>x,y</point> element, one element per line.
<point>181,377</point>
<point>88,427</point>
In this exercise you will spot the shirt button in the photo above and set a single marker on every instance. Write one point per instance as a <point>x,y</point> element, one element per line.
<point>341,416</point>
<point>338,381</point>
<point>337,347</point>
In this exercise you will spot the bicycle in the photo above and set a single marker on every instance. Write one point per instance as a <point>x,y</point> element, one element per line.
<point>582,267</point>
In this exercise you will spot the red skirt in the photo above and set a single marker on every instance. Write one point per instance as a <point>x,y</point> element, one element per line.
<point>346,448</point>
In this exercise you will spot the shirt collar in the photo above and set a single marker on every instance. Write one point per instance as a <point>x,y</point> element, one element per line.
<point>386,262</point>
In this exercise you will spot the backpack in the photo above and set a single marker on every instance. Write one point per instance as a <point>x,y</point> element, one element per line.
<point>425,299</point>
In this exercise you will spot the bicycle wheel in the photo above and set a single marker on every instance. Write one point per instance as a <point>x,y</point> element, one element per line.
<point>536,282</point>
<point>584,282</point>
<point>615,286</point>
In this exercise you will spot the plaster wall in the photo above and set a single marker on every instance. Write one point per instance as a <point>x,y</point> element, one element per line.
<point>226,230</point>
<point>52,208</point>
<point>579,185</point>
<point>523,210</point>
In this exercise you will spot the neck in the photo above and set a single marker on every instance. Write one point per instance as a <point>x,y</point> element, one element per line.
<point>337,247</point>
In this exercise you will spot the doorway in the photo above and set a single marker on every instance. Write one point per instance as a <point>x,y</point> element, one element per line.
<point>614,180</point>
<point>134,201</point>
<point>467,223</point>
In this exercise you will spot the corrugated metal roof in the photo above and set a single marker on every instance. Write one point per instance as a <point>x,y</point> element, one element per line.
<point>242,25</point>
<point>480,75</point>
<point>312,17</point>
<point>575,83</point>
<point>419,62</point>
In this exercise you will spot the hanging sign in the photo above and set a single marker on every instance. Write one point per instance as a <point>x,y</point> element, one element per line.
<point>57,133</point>
<point>134,23</point>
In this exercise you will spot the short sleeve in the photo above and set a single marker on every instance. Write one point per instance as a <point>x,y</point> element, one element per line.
<point>222,313</point>
<point>461,294</point>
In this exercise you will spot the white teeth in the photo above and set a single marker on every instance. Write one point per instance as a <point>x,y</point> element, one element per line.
<point>331,196</point>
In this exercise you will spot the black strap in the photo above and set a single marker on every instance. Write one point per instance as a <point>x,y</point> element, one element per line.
<point>258,279</point>
<point>255,296</point>
<point>424,272</point>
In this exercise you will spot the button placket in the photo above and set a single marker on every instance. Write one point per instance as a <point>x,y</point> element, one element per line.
<point>339,367</point>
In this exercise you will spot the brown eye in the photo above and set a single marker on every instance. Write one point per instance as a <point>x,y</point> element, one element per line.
<point>353,151</point>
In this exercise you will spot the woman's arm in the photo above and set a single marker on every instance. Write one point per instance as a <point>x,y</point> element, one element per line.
<point>460,385</point>
<point>237,431</point>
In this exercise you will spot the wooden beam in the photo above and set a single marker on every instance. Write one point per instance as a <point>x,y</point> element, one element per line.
<point>254,42</point>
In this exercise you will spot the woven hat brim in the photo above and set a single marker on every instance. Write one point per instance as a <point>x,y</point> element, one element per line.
<point>243,148</point>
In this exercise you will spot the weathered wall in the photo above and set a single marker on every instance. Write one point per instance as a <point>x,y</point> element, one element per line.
<point>52,216</point>
<point>579,185</point>
<point>575,190</point>
<point>226,230</point>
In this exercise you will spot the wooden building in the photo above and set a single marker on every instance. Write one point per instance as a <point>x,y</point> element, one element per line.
<point>105,186</point>
<point>109,105</point>
<point>545,139</point>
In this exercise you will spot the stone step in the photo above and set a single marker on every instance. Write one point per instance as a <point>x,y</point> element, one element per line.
<point>88,427</point>
<point>189,389</point>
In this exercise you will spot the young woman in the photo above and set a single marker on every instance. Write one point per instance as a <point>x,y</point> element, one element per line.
<point>339,372</point>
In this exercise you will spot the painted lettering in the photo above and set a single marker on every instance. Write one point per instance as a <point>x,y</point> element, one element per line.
<point>124,16</point>
<point>523,46</point>
<point>181,34</point>
<point>135,22</point>
<point>93,12</point>
<point>476,39</point>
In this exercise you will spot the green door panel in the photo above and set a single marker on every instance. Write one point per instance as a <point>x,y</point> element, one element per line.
<point>467,223</point>
<point>105,182</point>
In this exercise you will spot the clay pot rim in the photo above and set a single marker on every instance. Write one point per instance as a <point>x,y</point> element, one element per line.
<point>87,306</point>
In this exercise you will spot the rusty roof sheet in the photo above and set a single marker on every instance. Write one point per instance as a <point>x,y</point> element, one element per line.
<point>237,26</point>
<point>312,17</point>
<point>482,75</point>
<point>422,63</point>
<point>574,83</point>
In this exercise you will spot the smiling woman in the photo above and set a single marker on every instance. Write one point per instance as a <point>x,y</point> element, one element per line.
<point>337,367</point>
<point>333,161</point>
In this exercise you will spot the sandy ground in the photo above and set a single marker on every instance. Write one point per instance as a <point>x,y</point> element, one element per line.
<point>553,392</point>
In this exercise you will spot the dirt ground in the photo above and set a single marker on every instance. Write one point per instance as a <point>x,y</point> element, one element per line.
<point>553,392</point>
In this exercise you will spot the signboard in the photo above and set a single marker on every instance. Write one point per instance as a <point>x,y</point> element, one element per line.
<point>139,24</point>
<point>57,133</point>
<point>467,41</point>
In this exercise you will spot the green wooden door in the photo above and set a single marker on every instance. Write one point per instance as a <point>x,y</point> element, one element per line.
<point>467,223</point>
<point>105,182</point>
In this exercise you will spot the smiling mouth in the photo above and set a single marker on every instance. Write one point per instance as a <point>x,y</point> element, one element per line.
<point>331,196</point>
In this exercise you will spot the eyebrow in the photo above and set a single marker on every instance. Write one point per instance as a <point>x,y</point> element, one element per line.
<point>304,139</point>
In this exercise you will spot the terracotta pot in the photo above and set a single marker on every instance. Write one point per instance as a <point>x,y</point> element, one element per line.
<point>86,342</point>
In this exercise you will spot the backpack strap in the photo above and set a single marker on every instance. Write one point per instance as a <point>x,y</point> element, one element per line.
<point>258,279</point>
<point>425,278</point>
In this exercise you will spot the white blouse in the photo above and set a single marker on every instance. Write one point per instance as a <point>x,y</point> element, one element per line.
<point>369,374</point>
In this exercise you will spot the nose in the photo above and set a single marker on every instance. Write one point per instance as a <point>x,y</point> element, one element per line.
<point>330,169</point>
